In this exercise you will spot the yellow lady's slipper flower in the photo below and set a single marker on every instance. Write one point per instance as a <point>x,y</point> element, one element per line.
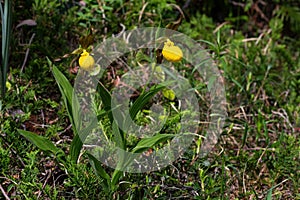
<point>86,61</point>
<point>8,85</point>
<point>171,52</point>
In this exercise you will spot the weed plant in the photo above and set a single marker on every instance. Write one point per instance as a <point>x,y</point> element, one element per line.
<point>256,50</point>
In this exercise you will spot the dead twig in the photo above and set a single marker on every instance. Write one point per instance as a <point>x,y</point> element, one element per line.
<point>141,12</point>
<point>4,193</point>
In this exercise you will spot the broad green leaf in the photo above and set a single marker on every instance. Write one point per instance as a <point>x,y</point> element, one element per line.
<point>114,120</point>
<point>79,139</point>
<point>76,113</point>
<point>75,147</point>
<point>115,178</point>
<point>118,136</point>
<point>41,142</point>
<point>72,106</point>
<point>147,143</point>
<point>106,99</point>
<point>64,85</point>
<point>139,103</point>
<point>143,99</point>
<point>96,164</point>
<point>66,90</point>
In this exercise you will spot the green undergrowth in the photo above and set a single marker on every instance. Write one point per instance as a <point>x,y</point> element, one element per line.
<point>258,153</point>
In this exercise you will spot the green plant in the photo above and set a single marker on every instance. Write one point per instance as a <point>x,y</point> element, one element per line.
<point>109,181</point>
<point>6,22</point>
